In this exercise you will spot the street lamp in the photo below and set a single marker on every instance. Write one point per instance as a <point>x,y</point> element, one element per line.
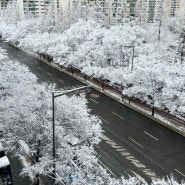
<point>55,95</point>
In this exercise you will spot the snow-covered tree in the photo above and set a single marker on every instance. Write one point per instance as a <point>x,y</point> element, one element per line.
<point>97,51</point>
<point>12,12</point>
<point>142,10</point>
<point>26,110</point>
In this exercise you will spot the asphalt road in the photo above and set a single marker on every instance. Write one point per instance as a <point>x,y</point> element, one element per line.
<point>132,145</point>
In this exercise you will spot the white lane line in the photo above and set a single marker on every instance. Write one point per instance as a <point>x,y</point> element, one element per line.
<point>151,136</point>
<point>179,172</point>
<point>136,142</point>
<point>61,81</point>
<point>104,120</point>
<point>136,175</point>
<point>49,74</point>
<point>124,153</point>
<point>93,100</point>
<point>107,168</point>
<point>117,115</point>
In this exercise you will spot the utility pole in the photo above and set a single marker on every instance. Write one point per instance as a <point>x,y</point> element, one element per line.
<point>133,52</point>
<point>70,9</point>
<point>53,116</point>
<point>160,21</point>
<point>55,12</point>
<point>183,48</point>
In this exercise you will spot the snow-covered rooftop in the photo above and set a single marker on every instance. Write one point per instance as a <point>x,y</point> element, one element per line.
<point>4,162</point>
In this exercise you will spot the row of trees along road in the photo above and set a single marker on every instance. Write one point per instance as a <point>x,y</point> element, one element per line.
<point>102,53</point>
<point>25,117</point>
<point>95,50</point>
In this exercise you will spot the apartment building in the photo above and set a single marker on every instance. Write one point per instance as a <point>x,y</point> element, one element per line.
<point>35,7</point>
<point>3,3</point>
<point>31,7</point>
<point>171,7</point>
<point>118,10</point>
<point>109,11</point>
<point>174,6</point>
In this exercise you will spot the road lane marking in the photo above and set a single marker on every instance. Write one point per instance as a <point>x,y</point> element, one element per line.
<point>104,120</point>
<point>137,175</point>
<point>49,74</point>
<point>151,136</point>
<point>61,81</point>
<point>117,115</point>
<point>136,142</point>
<point>107,169</point>
<point>128,156</point>
<point>93,100</point>
<point>179,172</point>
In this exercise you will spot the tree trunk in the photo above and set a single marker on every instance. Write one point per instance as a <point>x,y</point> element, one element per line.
<point>129,100</point>
<point>36,180</point>
<point>102,88</point>
<point>37,160</point>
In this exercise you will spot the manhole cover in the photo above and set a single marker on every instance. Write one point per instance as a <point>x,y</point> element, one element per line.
<point>94,96</point>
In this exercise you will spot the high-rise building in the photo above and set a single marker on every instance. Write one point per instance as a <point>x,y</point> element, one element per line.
<point>173,6</point>
<point>109,11</point>
<point>34,7</point>
<point>3,3</point>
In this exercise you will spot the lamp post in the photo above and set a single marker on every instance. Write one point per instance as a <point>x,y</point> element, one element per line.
<point>55,95</point>
<point>133,50</point>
